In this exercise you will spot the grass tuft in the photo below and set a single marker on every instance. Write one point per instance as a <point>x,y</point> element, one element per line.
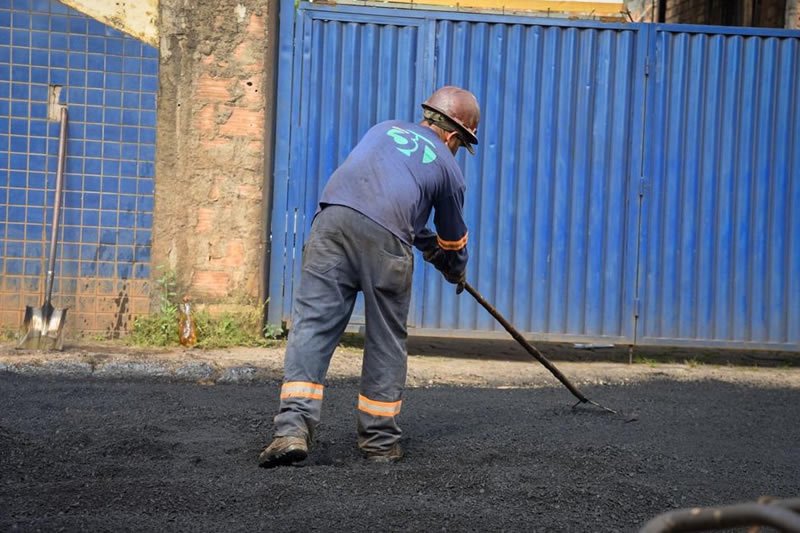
<point>639,360</point>
<point>218,331</point>
<point>234,329</point>
<point>8,333</point>
<point>225,330</point>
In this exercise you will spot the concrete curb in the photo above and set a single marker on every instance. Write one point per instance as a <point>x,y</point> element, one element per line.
<point>49,368</point>
<point>253,365</point>
<point>193,371</point>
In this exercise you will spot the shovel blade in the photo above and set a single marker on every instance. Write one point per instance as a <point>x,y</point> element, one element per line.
<point>43,328</point>
<point>31,328</point>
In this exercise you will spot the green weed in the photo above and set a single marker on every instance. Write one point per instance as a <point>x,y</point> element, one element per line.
<point>234,329</point>
<point>639,360</point>
<point>273,331</point>
<point>160,328</point>
<point>8,333</point>
<point>167,284</point>
<point>225,330</point>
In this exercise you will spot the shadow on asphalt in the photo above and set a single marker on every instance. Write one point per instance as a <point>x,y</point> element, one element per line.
<point>510,350</point>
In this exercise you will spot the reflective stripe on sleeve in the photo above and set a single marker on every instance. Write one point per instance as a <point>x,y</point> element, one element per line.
<point>453,246</point>
<point>378,408</point>
<point>301,389</point>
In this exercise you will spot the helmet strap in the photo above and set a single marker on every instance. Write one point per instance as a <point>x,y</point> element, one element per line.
<point>444,123</point>
<point>439,120</point>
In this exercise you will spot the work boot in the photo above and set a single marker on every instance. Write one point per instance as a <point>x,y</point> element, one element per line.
<point>392,455</point>
<point>283,451</point>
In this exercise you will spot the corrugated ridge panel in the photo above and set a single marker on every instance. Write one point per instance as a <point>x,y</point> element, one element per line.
<point>722,256</point>
<point>350,74</point>
<point>547,192</point>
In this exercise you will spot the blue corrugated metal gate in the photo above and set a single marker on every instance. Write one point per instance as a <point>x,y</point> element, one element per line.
<point>721,213</point>
<point>593,143</point>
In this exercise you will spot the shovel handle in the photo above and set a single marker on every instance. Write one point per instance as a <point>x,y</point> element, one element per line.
<point>525,344</point>
<point>51,261</point>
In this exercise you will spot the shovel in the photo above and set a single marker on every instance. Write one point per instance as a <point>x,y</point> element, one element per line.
<point>43,327</point>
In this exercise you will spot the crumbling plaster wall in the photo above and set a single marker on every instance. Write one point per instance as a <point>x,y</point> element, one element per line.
<point>214,108</point>
<point>793,14</point>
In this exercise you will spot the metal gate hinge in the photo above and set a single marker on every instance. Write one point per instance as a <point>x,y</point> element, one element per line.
<point>636,307</point>
<point>646,69</point>
<point>642,186</point>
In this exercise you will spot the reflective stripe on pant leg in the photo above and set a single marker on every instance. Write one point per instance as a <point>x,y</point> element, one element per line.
<point>301,389</point>
<point>378,409</point>
<point>386,275</point>
<point>301,404</point>
<point>377,424</point>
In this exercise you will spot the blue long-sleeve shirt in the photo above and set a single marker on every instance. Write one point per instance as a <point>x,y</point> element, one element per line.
<point>396,175</point>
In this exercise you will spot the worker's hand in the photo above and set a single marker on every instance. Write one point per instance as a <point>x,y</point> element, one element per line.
<point>456,279</point>
<point>437,258</point>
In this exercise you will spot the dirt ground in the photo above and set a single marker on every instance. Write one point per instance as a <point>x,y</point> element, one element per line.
<point>492,442</point>
<point>462,362</point>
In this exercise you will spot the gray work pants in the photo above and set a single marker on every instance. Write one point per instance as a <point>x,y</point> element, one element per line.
<point>347,252</point>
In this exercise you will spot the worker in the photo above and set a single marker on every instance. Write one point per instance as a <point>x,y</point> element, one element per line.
<point>373,209</point>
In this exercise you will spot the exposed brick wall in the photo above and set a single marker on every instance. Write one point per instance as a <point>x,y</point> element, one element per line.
<point>693,11</point>
<point>770,14</point>
<point>765,14</point>
<point>213,112</point>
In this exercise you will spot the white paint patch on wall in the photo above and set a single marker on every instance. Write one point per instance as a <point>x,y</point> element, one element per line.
<point>138,18</point>
<point>241,12</point>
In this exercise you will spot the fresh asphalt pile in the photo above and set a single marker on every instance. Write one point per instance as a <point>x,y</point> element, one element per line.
<point>101,454</point>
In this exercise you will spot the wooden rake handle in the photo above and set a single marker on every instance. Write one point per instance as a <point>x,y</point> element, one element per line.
<point>528,347</point>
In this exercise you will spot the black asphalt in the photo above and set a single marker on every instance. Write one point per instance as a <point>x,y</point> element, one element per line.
<point>92,454</point>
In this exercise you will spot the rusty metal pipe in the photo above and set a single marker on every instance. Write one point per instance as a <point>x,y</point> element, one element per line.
<point>778,514</point>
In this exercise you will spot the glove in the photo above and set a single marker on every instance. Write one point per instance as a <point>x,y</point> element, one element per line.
<point>458,280</point>
<point>438,259</point>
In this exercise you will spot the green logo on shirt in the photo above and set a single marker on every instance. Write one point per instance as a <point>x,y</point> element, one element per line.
<point>408,142</point>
